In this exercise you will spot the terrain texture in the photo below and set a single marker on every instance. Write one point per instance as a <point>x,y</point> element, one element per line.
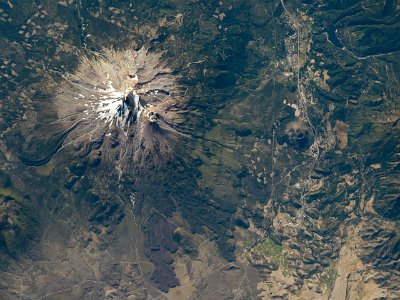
<point>281,180</point>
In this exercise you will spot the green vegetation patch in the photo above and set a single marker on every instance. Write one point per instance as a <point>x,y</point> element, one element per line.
<point>17,222</point>
<point>270,249</point>
<point>247,244</point>
<point>328,277</point>
<point>275,252</point>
